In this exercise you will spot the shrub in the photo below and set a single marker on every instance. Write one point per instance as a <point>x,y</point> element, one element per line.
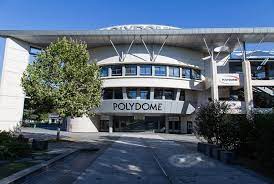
<point>209,120</point>
<point>264,140</point>
<point>11,146</point>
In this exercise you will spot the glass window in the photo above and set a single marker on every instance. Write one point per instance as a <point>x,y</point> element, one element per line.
<point>263,96</point>
<point>235,67</point>
<point>261,70</point>
<point>158,93</point>
<point>169,94</point>
<point>270,70</point>
<point>107,93</point>
<point>144,93</point>
<point>186,73</point>
<point>196,74</point>
<point>236,94</point>
<point>160,70</point>
<point>131,69</point>
<point>145,70</point>
<point>131,93</point>
<point>174,71</point>
<point>104,71</point>
<point>34,51</point>
<point>116,70</point>
<point>177,125</point>
<point>118,93</point>
<point>182,95</point>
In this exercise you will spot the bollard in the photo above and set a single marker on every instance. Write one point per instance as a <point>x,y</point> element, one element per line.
<point>58,134</point>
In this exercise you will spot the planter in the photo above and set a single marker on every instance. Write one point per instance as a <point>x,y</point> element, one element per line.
<point>227,157</point>
<point>216,152</point>
<point>39,145</point>
<point>201,147</point>
<point>209,148</point>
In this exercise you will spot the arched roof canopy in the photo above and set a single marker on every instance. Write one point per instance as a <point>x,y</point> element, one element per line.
<point>186,38</point>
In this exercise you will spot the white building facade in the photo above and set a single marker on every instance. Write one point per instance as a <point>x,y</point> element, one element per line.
<point>154,77</point>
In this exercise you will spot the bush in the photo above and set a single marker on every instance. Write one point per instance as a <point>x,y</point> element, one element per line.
<point>215,125</point>
<point>253,137</point>
<point>229,133</point>
<point>209,120</point>
<point>264,140</point>
<point>12,147</point>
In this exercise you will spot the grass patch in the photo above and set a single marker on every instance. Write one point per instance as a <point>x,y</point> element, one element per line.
<point>13,167</point>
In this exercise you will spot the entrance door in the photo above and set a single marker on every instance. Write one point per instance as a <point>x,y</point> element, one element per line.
<point>174,127</point>
<point>104,125</point>
<point>189,127</point>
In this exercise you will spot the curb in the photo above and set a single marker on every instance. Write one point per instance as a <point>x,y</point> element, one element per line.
<point>21,175</point>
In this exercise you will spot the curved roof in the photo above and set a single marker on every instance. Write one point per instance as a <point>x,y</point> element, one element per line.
<point>139,27</point>
<point>187,38</point>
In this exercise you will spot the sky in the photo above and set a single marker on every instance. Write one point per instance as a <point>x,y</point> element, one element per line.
<point>93,14</point>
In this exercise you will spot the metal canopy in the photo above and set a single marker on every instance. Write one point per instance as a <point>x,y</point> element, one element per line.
<point>187,38</point>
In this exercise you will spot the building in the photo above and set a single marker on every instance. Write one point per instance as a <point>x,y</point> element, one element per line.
<point>154,77</point>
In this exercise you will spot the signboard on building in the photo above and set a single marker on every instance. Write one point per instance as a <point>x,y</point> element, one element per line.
<point>145,106</point>
<point>228,79</point>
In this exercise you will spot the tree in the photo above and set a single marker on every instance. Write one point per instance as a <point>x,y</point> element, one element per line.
<point>209,119</point>
<point>61,80</point>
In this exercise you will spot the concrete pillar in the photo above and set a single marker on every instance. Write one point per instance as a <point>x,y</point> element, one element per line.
<point>123,70</point>
<point>247,86</point>
<point>178,94</point>
<point>110,127</point>
<point>138,70</point>
<point>153,70</point>
<point>166,123</point>
<point>15,61</point>
<point>124,90</point>
<point>167,71</point>
<point>109,72</point>
<point>151,93</point>
<point>213,72</point>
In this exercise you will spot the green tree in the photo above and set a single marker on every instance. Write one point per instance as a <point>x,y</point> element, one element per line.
<point>209,120</point>
<point>61,80</point>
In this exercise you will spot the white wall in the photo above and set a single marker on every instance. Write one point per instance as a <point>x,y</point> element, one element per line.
<point>138,54</point>
<point>15,61</point>
<point>83,124</point>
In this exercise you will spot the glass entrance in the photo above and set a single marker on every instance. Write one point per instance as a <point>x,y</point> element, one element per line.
<point>148,123</point>
<point>104,125</point>
<point>174,127</point>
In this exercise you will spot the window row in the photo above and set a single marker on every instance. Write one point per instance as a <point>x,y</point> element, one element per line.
<point>146,70</point>
<point>260,70</point>
<point>143,93</point>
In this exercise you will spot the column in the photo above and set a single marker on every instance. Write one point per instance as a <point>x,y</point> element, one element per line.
<point>15,61</point>
<point>248,92</point>
<point>166,123</point>
<point>124,90</point>
<point>110,126</point>
<point>151,94</point>
<point>213,73</point>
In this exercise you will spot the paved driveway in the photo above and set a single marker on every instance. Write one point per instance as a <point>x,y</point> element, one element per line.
<point>152,158</point>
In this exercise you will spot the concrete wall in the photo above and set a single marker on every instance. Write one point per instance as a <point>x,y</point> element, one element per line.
<point>138,54</point>
<point>83,124</point>
<point>15,61</point>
